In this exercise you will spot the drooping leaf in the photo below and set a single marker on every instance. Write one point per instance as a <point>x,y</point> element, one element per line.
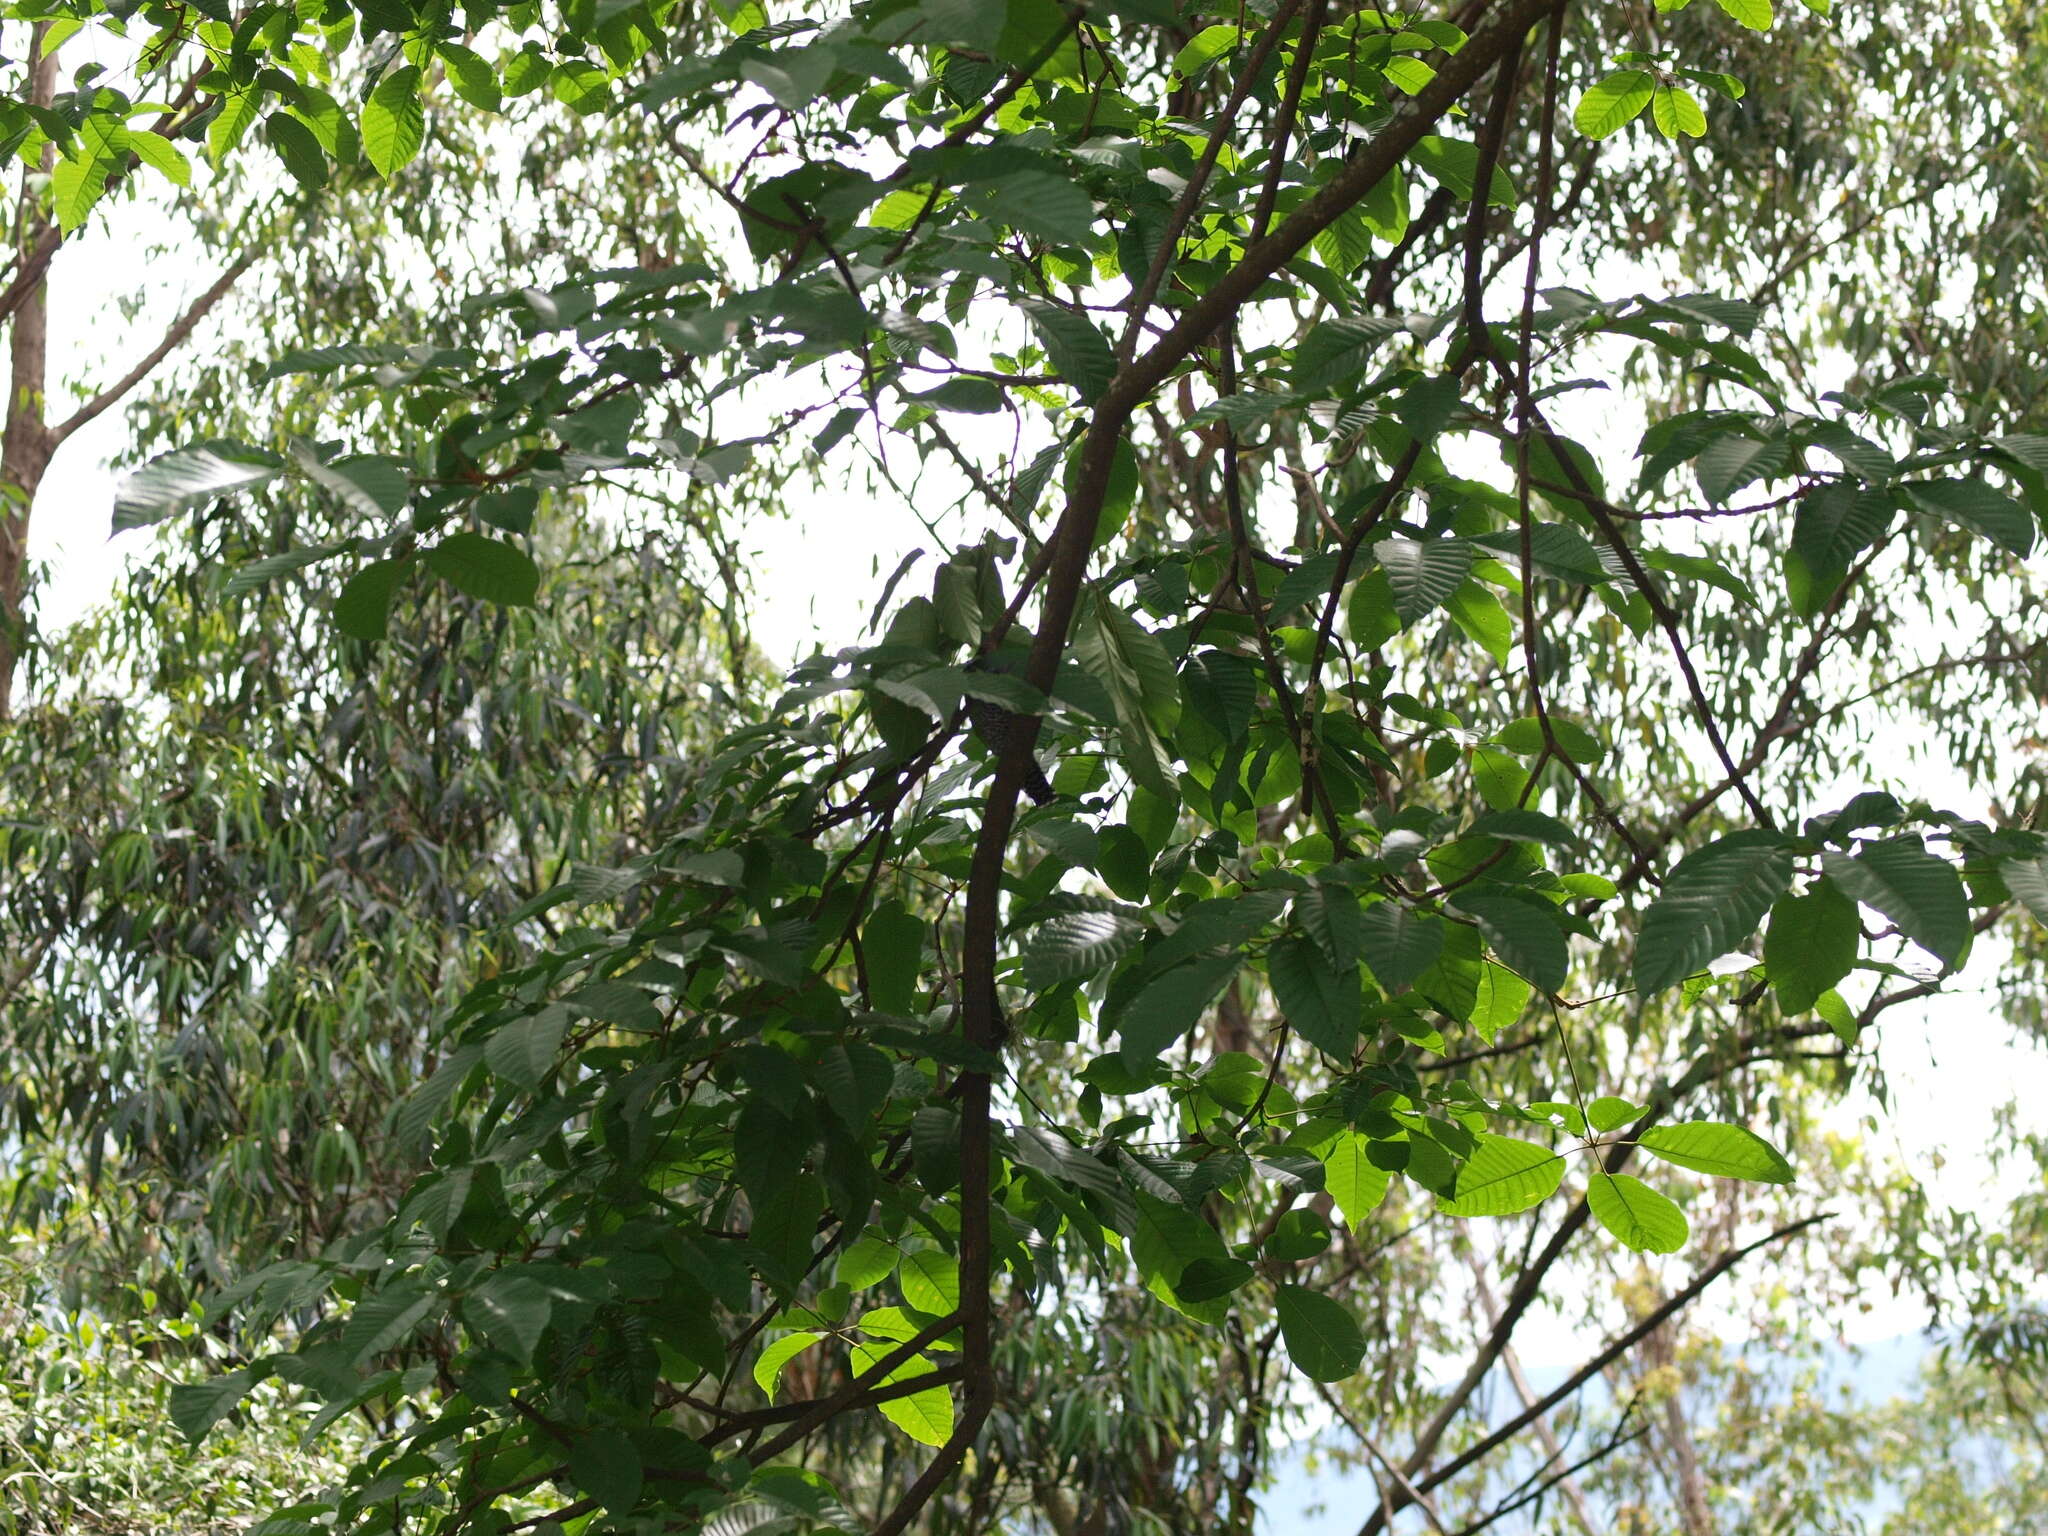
<point>1322,1337</point>
<point>1711,903</point>
<point>1614,103</point>
<point>393,123</point>
<point>1920,893</point>
<point>1636,1214</point>
<point>1078,351</point>
<point>490,570</point>
<point>1423,575</point>
<point>1321,1000</point>
<point>1810,945</point>
<point>1399,943</point>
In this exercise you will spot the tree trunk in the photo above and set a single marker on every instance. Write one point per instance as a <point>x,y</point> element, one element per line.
<point>26,444</point>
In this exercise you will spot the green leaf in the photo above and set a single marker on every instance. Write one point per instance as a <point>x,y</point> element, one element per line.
<point>1170,1006</point>
<point>1677,111</point>
<point>160,155</point>
<point>607,1466</point>
<point>1399,944</point>
<point>186,479</point>
<point>1710,904</point>
<point>2028,880</point>
<point>1636,1214</point>
<point>777,1354</point>
<point>384,1318</point>
<point>487,569</point>
<point>1423,575</point>
<point>512,1311</point>
<point>1338,350</point>
<point>1322,1001</point>
<point>1322,1337</point>
<point>1354,1182</point>
<point>1168,1240</point>
<point>1476,611</point>
<point>1077,350</point>
<point>1712,1146</point>
<point>524,1051</point>
<point>79,179</point>
<point>1608,1113</point>
<point>297,147</point>
<point>1075,945</point>
<point>1523,933</point>
<point>1754,14</point>
<point>393,123</point>
<point>1499,1001</point>
<point>474,80</point>
<point>1836,524</point>
<point>1920,893</point>
<point>1979,508</point>
<point>1454,165</point>
<point>1502,1177</point>
<point>1614,103</point>
<point>363,606</point>
<point>197,1406</point>
<point>931,1282</point>
<point>1329,914</point>
<point>1810,945</point>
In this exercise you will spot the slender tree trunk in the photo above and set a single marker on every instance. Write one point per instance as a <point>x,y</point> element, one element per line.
<point>26,444</point>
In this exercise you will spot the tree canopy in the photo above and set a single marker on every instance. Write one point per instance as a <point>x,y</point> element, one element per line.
<point>1480,637</point>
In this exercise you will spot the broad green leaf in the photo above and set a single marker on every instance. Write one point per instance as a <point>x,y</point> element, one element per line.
<point>511,1311</point>
<point>2028,880</point>
<point>385,1317</point>
<point>1170,1006</point>
<point>1677,111</point>
<point>187,478</point>
<point>1075,945</point>
<point>1614,103</point>
<point>1636,1214</point>
<point>1077,350</point>
<point>160,155</point>
<point>1399,944</point>
<point>1338,350</point>
<point>1322,1001</point>
<point>197,1406</point>
<point>1920,893</point>
<point>79,179</point>
<point>1352,1179</point>
<point>1608,1113</point>
<point>1810,945</point>
<point>1503,1176</point>
<point>1979,508</point>
<point>1501,997</point>
<point>892,943</point>
<point>1710,904</point>
<point>298,148</point>
<point>1454,165</point>
<point>1523,933</point>
<point>1330,915</point>
<point>363,607</point>
<point>393,124</point>
<point>606,1465</point>
<point>1836,524</point>
<point>1712,1146</point>
<point>1754,14</point>
<point>1476,611</point>
<point>487,569</point>
<point>1168,1239</point>
<point>931,1281</point>
<point>778,1353</point>
<point>524,1051</point>
<point>1423,575</point>
<point>474,80</point>
<point>867,1262</point>
<point>1322,1337</point>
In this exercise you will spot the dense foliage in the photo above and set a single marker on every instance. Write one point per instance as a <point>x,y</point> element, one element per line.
<point>643,1100</point>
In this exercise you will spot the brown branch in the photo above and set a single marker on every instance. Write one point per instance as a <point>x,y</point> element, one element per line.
<point>180,330</point>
